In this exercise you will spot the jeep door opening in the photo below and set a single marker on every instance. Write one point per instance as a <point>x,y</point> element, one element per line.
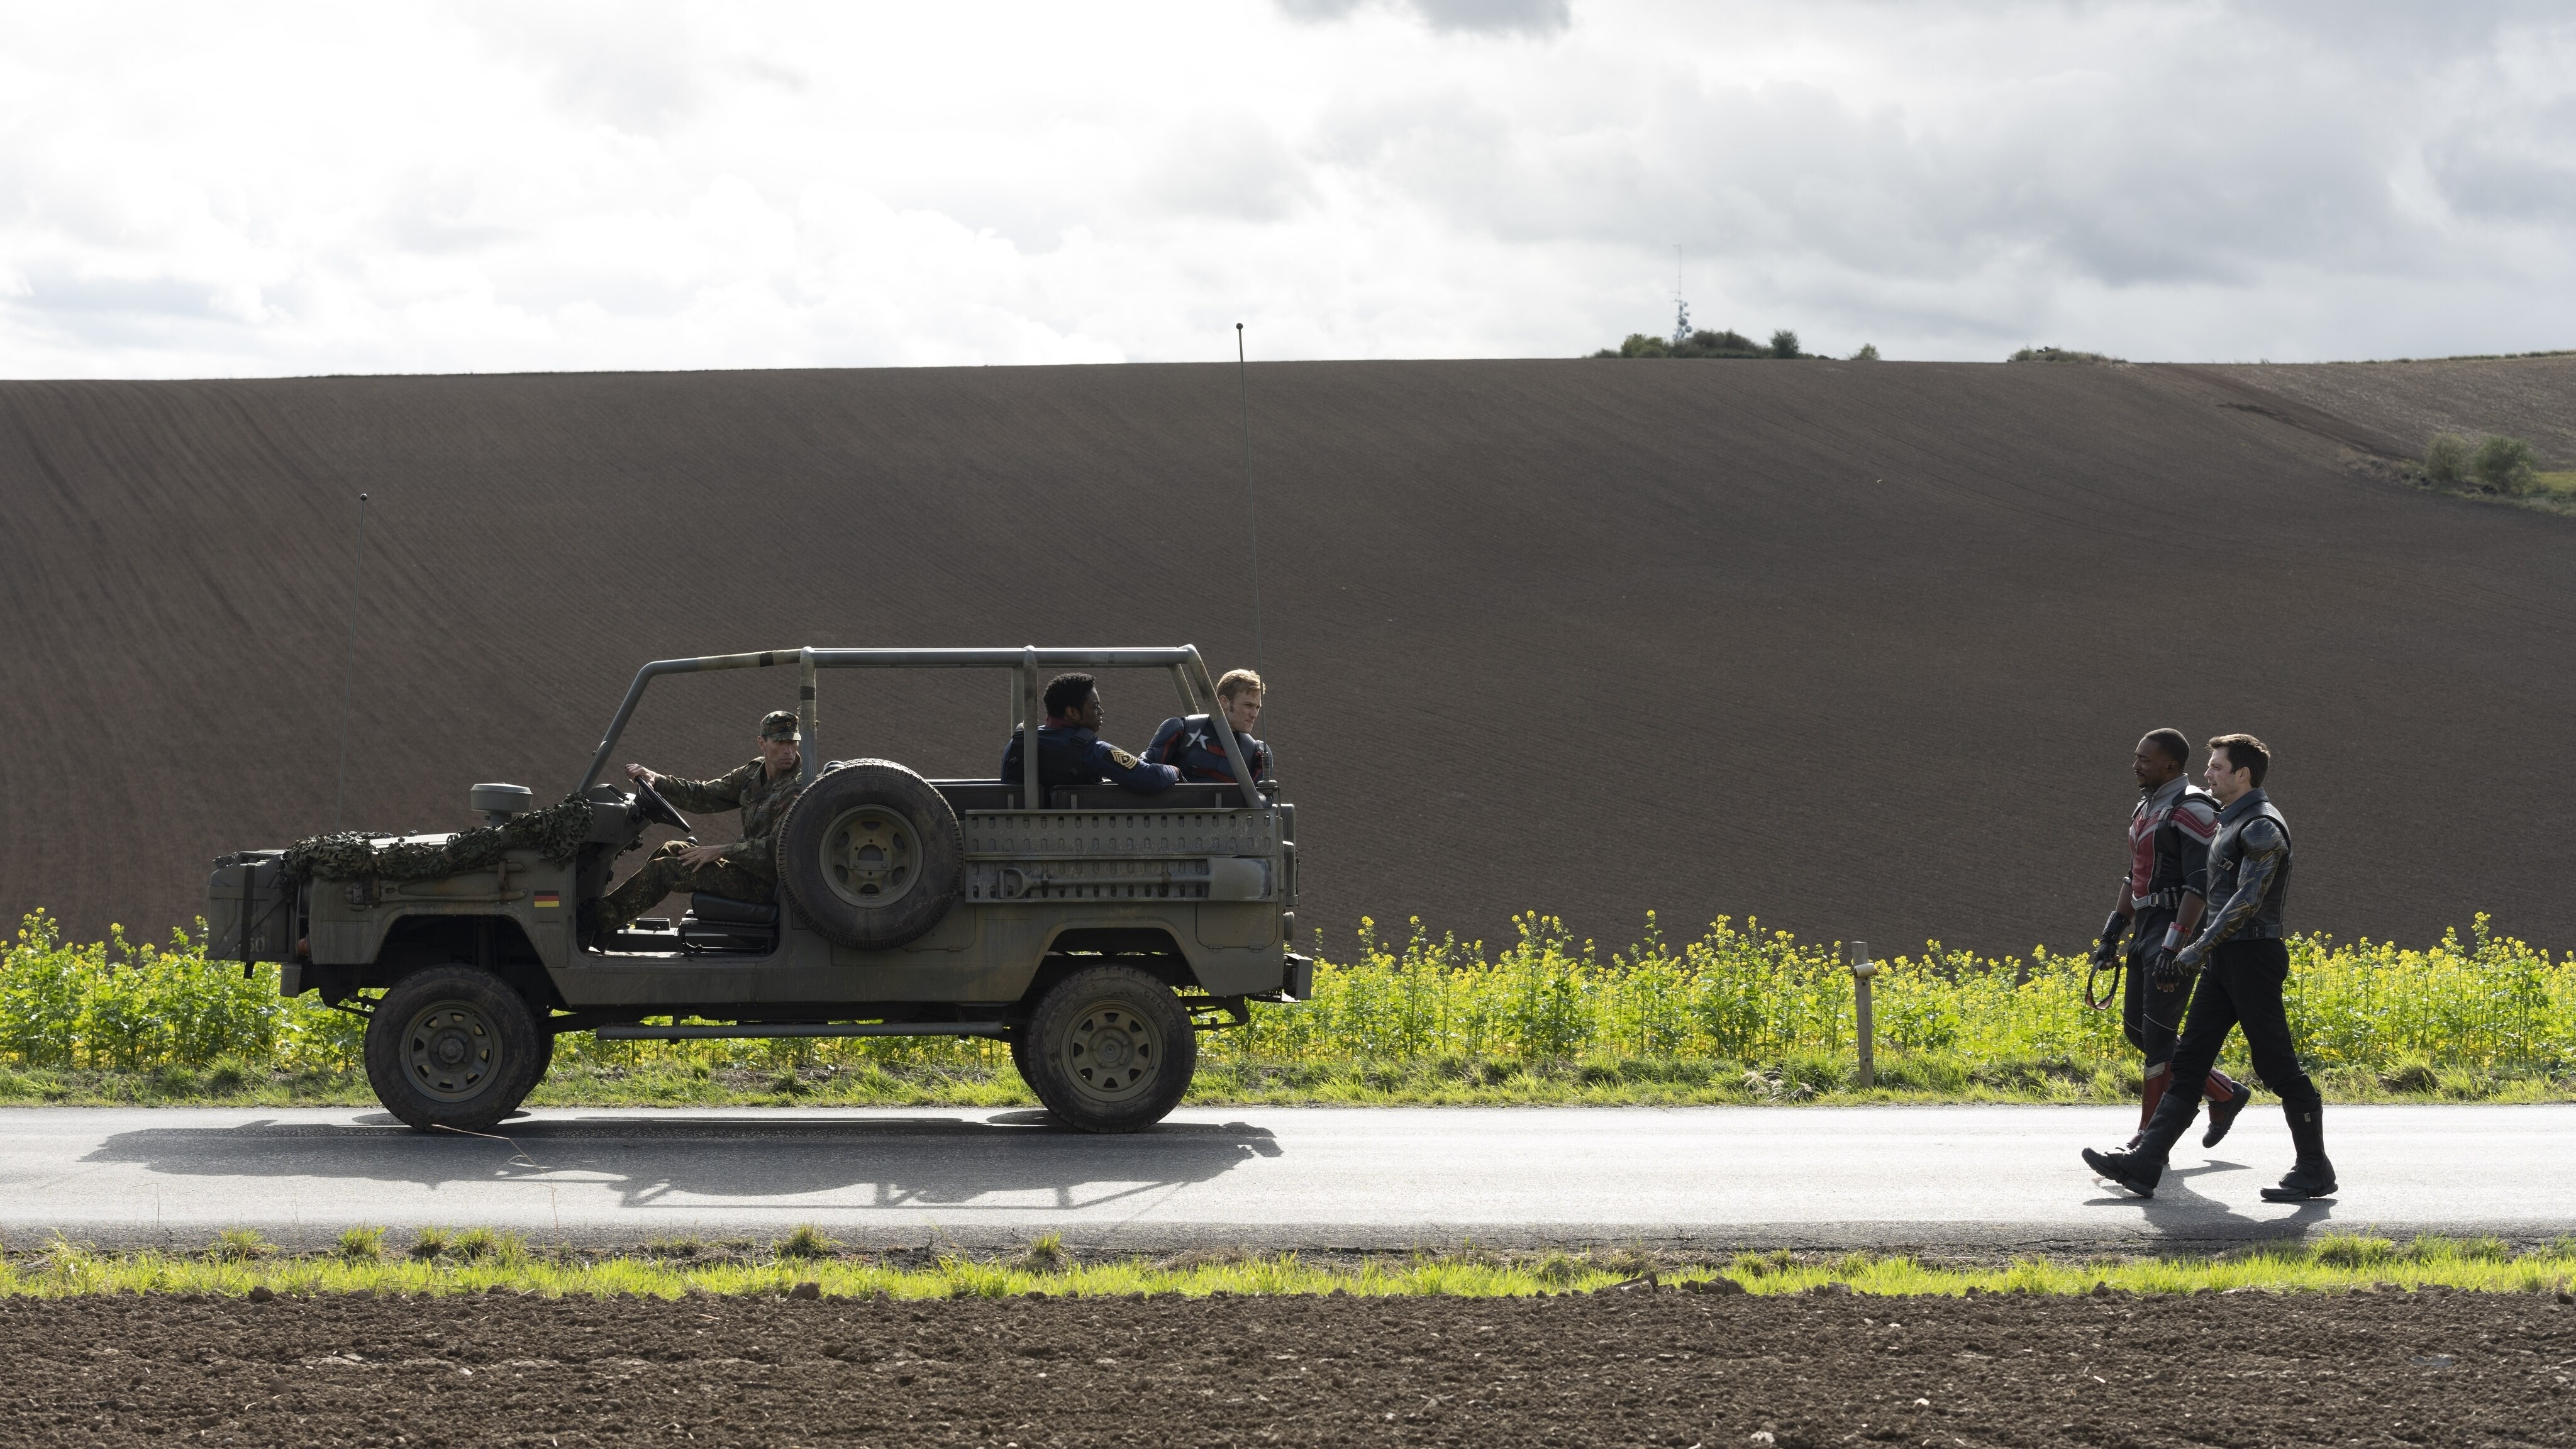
<point>1095,930</point>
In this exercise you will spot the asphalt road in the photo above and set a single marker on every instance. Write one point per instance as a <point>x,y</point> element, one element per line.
<point>1958,1178</point>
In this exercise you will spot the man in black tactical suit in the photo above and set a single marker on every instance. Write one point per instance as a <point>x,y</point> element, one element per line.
<point>1071,751</point>
<point>2241,948</point>
<point>2159,906</point>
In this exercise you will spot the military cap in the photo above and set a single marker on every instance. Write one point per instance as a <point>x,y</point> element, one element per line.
<point>778,724</point>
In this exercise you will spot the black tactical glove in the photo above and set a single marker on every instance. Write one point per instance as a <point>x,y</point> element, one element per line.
<point>2165,969</point>
<point>2107,951</point>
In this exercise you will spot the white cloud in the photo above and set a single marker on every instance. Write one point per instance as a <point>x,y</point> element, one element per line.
<point>245,190</point>
<point>1499,17</point>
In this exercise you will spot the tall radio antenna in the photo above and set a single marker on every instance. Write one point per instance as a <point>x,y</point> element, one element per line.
<point>1681,308</point>
<point>1251,513</point>
<point>349,674</point>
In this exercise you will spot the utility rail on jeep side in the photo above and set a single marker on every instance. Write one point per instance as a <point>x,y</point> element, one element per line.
<point>1095,930</point>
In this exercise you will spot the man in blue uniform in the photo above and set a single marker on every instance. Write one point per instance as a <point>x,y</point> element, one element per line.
<point>1189,744</point>
<point>1071,751</point>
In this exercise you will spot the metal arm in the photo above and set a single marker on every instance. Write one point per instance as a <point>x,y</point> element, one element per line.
<point>2253,879</point>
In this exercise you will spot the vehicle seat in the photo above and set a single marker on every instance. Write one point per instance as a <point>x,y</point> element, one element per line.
<point>720,923</point>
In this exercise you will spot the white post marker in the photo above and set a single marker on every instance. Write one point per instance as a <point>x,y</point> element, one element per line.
<point>1862,970</point>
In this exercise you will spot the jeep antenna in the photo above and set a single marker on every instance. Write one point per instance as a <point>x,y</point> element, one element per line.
<point>357,577</point>
<point>1252,514</point>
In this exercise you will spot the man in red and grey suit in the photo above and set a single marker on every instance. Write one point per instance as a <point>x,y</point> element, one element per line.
<point>2160,905</point>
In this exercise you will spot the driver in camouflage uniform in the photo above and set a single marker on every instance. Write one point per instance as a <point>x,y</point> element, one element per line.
<point>746,870</point>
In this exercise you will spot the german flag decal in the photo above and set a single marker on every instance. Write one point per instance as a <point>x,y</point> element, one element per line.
<point>547,900</point>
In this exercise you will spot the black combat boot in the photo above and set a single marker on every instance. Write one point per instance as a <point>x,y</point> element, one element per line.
<point>2226,1099</point>
<point>2140,1168</point>
<point>2311,1175</point>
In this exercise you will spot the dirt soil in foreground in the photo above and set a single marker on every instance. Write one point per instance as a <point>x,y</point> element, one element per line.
<point>1636,1367</point>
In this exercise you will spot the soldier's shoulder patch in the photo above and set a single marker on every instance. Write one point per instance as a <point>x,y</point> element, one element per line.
<point>1125,760</point>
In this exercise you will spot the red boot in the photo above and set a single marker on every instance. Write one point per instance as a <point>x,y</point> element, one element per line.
<point>2148,1096</point>
<point>2227,1097</point>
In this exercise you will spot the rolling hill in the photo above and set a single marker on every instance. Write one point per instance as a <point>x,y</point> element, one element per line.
<point>1859,649</point>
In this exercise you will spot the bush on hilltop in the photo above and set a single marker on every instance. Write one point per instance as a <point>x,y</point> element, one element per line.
<point>2063,354</point>
<point>1726,342</point>
<point>2500,465</point>
<point>2504,465</point>
<point>2446,458</point>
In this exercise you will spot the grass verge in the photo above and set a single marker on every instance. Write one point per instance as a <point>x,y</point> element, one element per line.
<point>1226,1079</point>
<point>478,1260</point>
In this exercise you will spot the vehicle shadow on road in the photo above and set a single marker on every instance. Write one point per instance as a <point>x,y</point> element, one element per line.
<point>1007,1160</point>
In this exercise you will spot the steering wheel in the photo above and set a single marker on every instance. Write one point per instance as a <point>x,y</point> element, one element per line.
<point>659,811</point>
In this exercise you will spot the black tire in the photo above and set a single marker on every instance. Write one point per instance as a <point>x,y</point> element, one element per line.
<point>872,855</point>
<point>1020,1055</point>
<point>454,1046</point>
<point>1109,1050</point>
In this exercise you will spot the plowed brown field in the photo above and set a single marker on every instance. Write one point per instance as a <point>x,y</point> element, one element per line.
<point>1660,1368</point>
<point>2531,398</point>
<point>1860,649</point>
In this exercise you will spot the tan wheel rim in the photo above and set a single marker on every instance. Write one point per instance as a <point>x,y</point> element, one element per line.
<point>871,856</point>
<point>451,1053</point>
<point>1111,1053</point>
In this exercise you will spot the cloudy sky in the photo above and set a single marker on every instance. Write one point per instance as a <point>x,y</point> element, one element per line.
<point>246,189</point>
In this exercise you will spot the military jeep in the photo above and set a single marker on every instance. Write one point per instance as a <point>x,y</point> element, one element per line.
<point>1095,930</point>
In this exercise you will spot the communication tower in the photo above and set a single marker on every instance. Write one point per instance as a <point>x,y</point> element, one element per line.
<point>1681,308</point>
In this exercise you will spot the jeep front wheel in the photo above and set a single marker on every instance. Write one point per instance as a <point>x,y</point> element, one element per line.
<point>1109,1050</point>
<point>453,1046</point>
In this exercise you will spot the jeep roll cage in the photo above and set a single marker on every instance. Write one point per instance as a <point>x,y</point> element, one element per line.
<point>1189,676</point>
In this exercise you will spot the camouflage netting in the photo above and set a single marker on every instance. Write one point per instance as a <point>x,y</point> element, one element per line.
<point>556,833</point>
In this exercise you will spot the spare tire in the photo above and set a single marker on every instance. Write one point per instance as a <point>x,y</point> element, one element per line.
<point>872,855</point>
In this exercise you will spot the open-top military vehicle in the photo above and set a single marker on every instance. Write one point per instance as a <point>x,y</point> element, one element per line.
<point>1095,930</point>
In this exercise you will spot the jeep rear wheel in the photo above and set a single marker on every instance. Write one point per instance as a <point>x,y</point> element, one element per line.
<point>1109,1050</point>
<point>454,1046</point>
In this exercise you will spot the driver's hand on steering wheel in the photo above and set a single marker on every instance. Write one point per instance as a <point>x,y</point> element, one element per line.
<point>702,856</point>
<point>641,775</point>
